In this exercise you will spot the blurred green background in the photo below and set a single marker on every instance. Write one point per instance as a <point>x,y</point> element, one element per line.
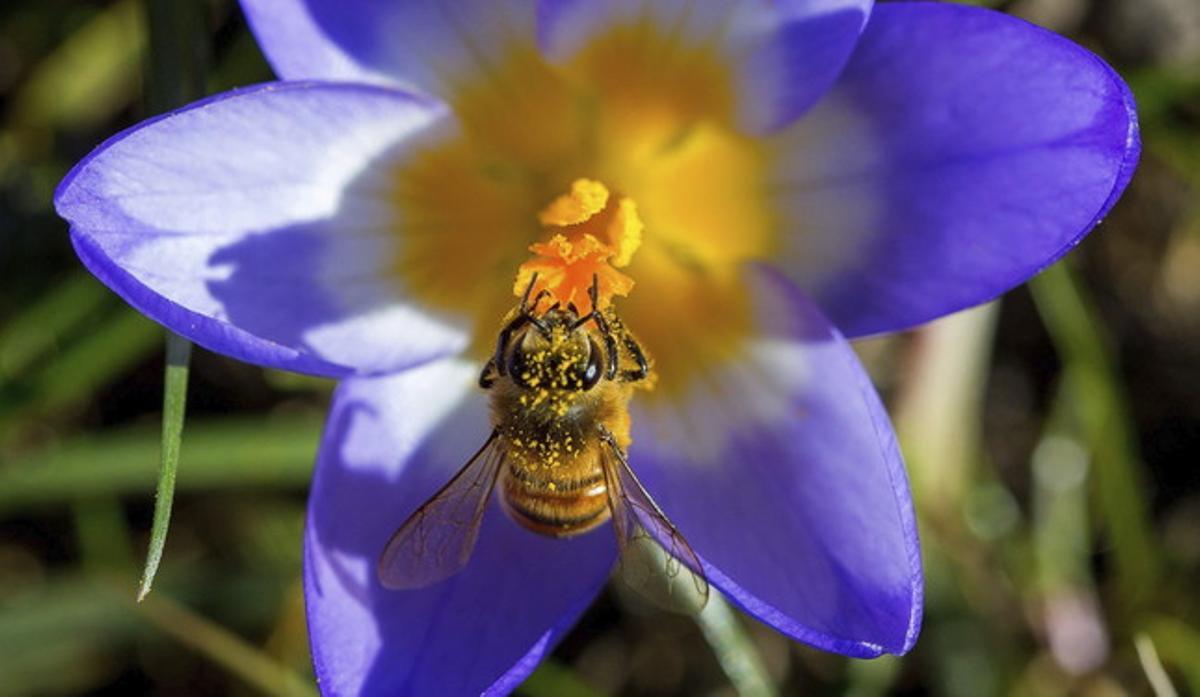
<point>1053,439</point>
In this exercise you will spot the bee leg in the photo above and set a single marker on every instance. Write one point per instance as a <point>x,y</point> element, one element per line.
<point>487,377</point>
<point>639,357</point>
<point>608,438</point>
<point>610,346</point>
<point>610,342</point>
<point>524,316</point>
<point>506,336</point>
<point>525,308</point>
<point>497,359</point>
<point>528,290</point>
<point>531,309</point>
<point>541,326</point>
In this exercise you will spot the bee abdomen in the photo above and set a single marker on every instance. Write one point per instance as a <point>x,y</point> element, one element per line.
<point>562,507</point>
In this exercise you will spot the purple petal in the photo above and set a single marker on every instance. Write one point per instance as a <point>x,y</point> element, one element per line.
<point>412,44</point>
<point>784,55</point>
<point>960,152</point>
<point>390,444</point>
<point>258,224</point>
<point>783,473</point>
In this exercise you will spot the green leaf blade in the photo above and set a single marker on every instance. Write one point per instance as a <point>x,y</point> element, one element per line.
<point>179,351</point>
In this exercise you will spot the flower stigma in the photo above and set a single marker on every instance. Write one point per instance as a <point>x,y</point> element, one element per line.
<point>592,234</point>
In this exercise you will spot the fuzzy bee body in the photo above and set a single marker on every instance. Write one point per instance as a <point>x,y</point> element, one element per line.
<point>549,405</point>
<point>553,482</point>
<point>560,416</point>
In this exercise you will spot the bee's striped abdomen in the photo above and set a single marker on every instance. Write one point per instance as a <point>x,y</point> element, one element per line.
<point>560,502</point>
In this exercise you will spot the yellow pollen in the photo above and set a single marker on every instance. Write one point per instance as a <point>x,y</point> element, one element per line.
<point>625,232</point>
<point>586,199</point>
<point>591,233</point>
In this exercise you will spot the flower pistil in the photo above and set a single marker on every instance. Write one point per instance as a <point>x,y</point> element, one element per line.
<point>592,234</point>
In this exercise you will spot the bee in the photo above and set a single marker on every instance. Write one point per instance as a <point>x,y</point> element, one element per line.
<point>560,384</point>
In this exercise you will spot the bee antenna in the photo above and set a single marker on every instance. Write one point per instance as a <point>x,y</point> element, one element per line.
<point>529,289</point>
<point>537,300</point>
<point>572,308</point>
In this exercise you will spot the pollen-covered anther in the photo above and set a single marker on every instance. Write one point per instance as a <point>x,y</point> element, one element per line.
<point>592,233</point>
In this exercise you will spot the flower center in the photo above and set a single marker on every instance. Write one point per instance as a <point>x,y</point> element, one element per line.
<point>592,234</point>
<point>487,202</point>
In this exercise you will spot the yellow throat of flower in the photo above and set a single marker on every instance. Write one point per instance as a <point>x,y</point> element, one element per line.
<point>647,117</point>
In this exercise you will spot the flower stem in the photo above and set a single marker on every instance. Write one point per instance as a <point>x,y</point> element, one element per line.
<point>734,649</point>
<point>175,73</point>
<point>1105,427</point>
<point>553,679</point>
<point>1160,682</point>
<point>223,647</point>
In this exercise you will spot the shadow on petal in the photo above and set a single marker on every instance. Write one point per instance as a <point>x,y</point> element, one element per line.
<point>332,286</point>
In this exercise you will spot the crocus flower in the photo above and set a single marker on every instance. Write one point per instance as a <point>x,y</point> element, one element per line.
<point>803,171</point>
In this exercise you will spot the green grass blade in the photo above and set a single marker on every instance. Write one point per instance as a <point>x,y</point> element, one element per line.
<point>38,330</point>
<point>56,637</point>
<point>105,544</point>
<point>178,57</point>
<point>265,451</point>
<point>64,635</point>
<point>553,679</point>
<point>79,370</point>
<point>87,78</point>
<point>1178,643</point>
<point>175,76</point>
<point>1106,429</point>
<point>179,351</point>
<point>223,647</point>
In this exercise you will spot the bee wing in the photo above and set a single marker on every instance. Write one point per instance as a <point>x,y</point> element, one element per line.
<point>436,541</point>
<point>655,559</point>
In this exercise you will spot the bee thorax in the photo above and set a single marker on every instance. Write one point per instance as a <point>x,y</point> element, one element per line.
<point>536,449</point>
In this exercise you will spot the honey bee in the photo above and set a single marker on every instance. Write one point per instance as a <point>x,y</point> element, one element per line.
<point>559,410</point>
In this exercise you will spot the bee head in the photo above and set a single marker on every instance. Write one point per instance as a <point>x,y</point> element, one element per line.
<point>554,354</point>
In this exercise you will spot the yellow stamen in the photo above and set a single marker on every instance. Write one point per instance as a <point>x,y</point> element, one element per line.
<point>591,233</point>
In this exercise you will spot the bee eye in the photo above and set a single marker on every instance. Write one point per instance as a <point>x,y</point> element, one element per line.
<point>594,368</point>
